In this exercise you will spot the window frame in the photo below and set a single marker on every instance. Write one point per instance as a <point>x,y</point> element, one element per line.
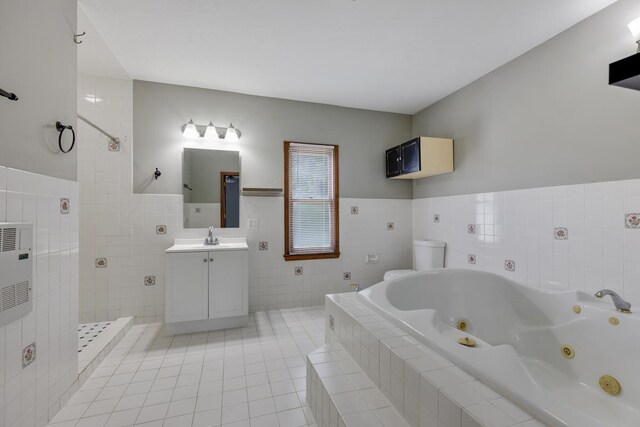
<point>336,207</point>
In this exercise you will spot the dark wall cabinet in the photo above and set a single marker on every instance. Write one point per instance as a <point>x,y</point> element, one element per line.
<point>419,158</point>
<point>394,160</point>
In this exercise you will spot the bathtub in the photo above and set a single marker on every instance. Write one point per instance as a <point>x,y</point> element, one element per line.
<point>520,334</point>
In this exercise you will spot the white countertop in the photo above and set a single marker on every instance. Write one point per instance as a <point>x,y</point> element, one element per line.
<point>197,245</point>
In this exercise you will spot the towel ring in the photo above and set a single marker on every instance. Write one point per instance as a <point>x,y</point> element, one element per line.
<point>61,128</point>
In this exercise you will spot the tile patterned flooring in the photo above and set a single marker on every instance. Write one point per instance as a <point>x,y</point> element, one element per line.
<point>251,376</point>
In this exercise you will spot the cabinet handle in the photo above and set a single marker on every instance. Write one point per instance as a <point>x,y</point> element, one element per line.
<point>211,259</point>
<point>205,260</point>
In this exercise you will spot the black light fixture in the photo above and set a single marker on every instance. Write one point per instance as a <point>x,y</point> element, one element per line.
<point>626,72</point>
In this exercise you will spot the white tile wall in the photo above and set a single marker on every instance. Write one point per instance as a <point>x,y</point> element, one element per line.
<point>116,224</point>
<point>272,283</point>
<point>519,226</point>
<point>31,396</point>
<point>120,226</point>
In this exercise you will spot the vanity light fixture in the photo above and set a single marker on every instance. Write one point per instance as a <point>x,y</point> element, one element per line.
<point>190,131</point>
<point>210,131</point>
<point>634,27</point>
<point>232,134</point>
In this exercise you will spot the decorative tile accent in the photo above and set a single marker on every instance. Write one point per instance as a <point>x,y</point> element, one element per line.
<point>161,229</point>
<point>149,280</point>
<point>114,145</point>
<point>510,265</point>
<point>471,229</point>
<point>560,233</point>
<point>354,210</point>
<point>263,246</point>
<point>436,218</point>
<point>298,271</point>
<point>101,263</point>
<point>390,226</point>
<point>632,220</point>
<point>65,206</point>
<point>471,259</point>
<point>28,355</point>
<point>346,276</point>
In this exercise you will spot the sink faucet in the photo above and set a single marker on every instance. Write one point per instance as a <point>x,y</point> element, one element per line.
<point>621,305</point>
<point>210,240</point>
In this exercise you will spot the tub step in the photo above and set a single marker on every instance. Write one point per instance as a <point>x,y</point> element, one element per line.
<point>339,393</point>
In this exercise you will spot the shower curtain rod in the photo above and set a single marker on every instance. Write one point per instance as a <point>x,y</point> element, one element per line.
<point>99,129</point>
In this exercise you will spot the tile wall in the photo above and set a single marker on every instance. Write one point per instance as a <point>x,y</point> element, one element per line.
<point>121,227</point>
<point>116,225</point>
<point>31,396</point>
<point>582,237</point>
<point>272,281</point>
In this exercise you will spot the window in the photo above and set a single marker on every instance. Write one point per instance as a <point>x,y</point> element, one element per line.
<point>311,201</point>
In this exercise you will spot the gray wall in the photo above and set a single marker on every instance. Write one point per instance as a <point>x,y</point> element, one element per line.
<point>37,63</point>
<point>546,118</point>
<point>159,111</point>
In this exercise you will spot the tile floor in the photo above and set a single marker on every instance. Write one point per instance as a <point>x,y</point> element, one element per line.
<point>252,376</point>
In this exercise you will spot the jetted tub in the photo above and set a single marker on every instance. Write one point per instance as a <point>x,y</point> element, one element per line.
<point>520,333</point>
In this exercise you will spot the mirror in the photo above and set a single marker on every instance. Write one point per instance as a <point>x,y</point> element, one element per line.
<point>211,188</point>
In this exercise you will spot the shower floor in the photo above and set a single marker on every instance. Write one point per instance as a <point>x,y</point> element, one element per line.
<point>96,339</point>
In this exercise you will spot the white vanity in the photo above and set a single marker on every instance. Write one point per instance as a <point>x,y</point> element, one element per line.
<point>207,286</point>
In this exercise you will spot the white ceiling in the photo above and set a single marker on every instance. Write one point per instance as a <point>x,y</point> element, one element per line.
<point>387,55</point>
<point>94,55</point>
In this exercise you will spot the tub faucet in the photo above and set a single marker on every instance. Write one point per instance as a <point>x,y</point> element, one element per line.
<point>621,305</point>
<point>210,240</point>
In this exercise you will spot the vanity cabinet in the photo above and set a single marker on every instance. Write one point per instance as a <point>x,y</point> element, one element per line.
<point>206,290</point>
<point>228,284</point>
<point>419,158</point>
<point>187,286</point>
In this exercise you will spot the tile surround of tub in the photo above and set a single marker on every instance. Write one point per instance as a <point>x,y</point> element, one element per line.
<point>423,386</point>
<point>33,395</point>
<point>597,251</point>
<point>121,226</point>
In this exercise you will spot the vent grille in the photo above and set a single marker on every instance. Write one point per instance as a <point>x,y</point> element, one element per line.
<point>22,293</point>
<point>14,295</point>
<point>8,239</point>
<point>8,298</point>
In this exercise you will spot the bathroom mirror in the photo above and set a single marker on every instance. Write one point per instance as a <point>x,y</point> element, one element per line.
<point>211,188</point>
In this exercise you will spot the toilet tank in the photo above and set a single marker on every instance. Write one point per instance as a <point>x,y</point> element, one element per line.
<point>428,254</point>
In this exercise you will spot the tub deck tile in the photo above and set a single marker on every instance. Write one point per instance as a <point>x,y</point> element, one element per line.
<point>420,387</point>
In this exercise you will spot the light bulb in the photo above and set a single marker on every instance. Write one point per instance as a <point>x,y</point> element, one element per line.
<point>211,132</point>
<point>190,130</point>
<point>232,134</point>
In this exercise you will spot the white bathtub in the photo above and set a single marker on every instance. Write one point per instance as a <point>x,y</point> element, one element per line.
<point>519,333</point>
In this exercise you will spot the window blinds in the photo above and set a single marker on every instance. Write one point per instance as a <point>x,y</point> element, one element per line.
<point>311,199</point>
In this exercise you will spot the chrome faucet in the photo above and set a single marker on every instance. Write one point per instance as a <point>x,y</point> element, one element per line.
<point>210,240</point>
<point>621,305</point>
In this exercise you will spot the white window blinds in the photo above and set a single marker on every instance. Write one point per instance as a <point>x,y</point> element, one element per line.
<point>311,199</point>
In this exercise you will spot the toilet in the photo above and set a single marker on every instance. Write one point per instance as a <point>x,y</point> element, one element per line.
<point>427,255</point>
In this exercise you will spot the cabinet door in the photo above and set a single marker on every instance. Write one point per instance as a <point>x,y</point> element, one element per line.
<point>410,153</point>
<point>228,284</point>
<point>393,161</point>
<point>187,287</point>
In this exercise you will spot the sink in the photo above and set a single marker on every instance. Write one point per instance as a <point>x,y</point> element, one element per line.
<point>197,245</point>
